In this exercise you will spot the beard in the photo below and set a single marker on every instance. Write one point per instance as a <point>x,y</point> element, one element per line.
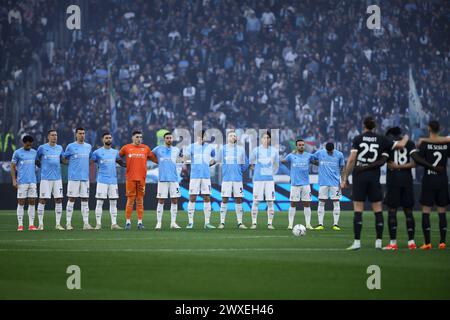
<point>108,143</point>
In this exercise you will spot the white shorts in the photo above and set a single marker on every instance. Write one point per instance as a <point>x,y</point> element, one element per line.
<point>232,189</point>
<point>300,193</point>
<point>264,189</point>
<point>49,187</point>
<point>328,192</point>
<point>78,189</point>
<point>168,190</point>
<point>26,190</point>
<point>105,191</point>
<point>200,186</point>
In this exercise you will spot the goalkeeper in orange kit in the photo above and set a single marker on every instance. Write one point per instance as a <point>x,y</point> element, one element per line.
<point>136,155</point>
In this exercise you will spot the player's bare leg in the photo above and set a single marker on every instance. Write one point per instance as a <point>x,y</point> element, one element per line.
<point>223,212</point>
<point>238,208</point>
<point>207,211</point>
<point>442,227</point>
<point>31,213</point>
<point>358,207</point>
<point>191,210</point>
<point>173,213</point>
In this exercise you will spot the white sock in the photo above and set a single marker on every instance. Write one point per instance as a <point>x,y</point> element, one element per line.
<point>191,210</point>
<point>321,212</point>
<point>113,211</point>
<point>392,242</point>
<point>291,216</point>
<point>410,242</point>
<point>31,213</point>
<point>173,213</point>
<point>336,212</point>
<point>238,207</point>
<point>20,211</point>
<point>139,221</point>
<point>307,213</point>
<point>41,209</point>
<point>85,211</point>
<point>99,211</point>
<point>207,211</point>
<point>159,212</point>
<point>255,211</point>
<point>128,220</point>
<point>223,212</point>
<point>357,242</point>
<point>58,213</point>
<point>69,212</point>
<point>270,212</point>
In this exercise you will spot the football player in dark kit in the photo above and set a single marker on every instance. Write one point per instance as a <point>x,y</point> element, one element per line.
<point>368,148</point>
<point>435,150</point>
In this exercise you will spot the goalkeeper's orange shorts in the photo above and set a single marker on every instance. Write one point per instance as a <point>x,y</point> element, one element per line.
<point>135,188</point>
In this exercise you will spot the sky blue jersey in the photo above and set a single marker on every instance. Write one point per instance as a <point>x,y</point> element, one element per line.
<point>330,167</point>
<point>106,165</point>
<point>299,165</point>
<point>50,158</point>
<point>25,161</point>
<point>78,155</point>
<point>266,160</point>
<point>201,155</point>
<point>167,162</point>
<point>234,162</point>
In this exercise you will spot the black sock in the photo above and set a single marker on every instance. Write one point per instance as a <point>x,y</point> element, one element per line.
<point>357,225</point>
<point>426,227</point>
<point>392,223</point>
<point>410,223</point>
<point>379,224</point>
<point>443,226</point>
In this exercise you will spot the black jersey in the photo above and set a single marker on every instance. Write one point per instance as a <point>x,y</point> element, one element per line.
<point>370,147</point>
<point>400,177</point>
<point>437,155</point>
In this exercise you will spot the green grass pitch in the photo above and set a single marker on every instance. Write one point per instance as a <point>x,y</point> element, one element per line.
<point>216,264</point>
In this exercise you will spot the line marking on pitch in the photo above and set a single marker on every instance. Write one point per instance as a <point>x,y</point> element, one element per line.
<point>171,250</point>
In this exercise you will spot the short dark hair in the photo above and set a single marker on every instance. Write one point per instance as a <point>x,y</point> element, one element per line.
<point>394,132</point>
<point>329,146</point>
<point>106,134</point>
<point>202,133</point>
<point>369,123</point>
<point>434,126</point>
<point>136,132</point>
<point>167,134</point>
<point>79,129</point>
<point>298,140</point>
<point>50,131</point>
<point>27,138</point>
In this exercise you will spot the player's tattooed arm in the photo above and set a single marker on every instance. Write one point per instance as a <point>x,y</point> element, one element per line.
<point>373,165</point>
<point>348,168</point>
<point>420,160</point>
<point>121,163</point>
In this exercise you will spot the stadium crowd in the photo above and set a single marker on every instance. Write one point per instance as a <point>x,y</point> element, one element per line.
<point>244,64</point>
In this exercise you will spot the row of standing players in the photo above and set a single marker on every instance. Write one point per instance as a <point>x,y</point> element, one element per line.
<point>370,151</point>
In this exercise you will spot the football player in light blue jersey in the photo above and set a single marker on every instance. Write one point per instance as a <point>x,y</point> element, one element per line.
<point>202,156</point>
<point>49,158</point>
<point>167,156</point>
<point>24,161</point>
<point>78,154</point>
<point>106,159</point>
<point>265,162</point>
<point>331,163</point>
<point>299,162</point>
<point>234,164</point>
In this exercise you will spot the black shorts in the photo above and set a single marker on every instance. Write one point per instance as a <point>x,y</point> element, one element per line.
<point>399,196</point>
<point>434,195</point>
<point>367,186</point>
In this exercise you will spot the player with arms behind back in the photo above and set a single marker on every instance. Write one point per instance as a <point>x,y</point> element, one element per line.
<point>434,183</point>
<point>368,148</point>
<point>136,154</point>
<point>106,159</point>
